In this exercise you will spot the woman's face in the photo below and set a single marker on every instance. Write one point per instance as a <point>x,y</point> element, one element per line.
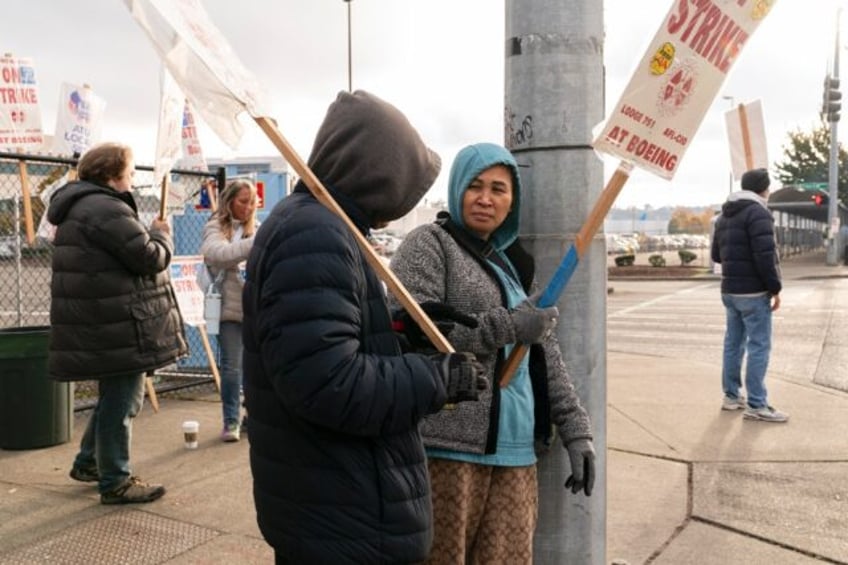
<point>242,205</point>
<point>487,201</point>
<point>124,182</point>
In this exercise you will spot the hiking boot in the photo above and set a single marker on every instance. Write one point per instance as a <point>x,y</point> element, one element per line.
<point>765,414</point>
<point>132,491</point>
<point>84,474</point>
<point>733,403</point>
<point>231,432</point>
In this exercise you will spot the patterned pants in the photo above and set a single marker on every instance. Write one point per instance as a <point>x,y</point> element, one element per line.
<point>482,515</point>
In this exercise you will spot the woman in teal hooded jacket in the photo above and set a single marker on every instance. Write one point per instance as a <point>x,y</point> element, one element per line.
<point>482,455</point>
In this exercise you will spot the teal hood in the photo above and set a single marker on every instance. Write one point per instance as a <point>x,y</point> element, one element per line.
<point>470,162</point>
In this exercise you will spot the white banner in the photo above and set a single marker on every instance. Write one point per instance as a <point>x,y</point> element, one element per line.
<point>202,63</point>
<point>79,120</point>
<point>168,143</point>
<point>20,116</point>
<point>653,123</point>
<point>184,270</point>
<point>746,137</point>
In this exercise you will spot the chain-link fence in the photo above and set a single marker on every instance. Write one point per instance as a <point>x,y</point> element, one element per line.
<point>26,183</point>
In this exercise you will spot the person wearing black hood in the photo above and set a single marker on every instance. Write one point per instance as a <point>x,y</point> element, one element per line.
<point>339,471</point>
<point>113,313</point>
<point>744,244</point>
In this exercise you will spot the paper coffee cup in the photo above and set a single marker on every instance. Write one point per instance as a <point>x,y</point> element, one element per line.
<point>190,429</point>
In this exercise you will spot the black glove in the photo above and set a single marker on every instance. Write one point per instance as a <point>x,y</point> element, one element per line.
<point>582,456</point>
<point>413,339</point>
<point>462,374</point>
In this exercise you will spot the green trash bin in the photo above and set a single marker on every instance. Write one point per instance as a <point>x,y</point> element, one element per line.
<point>35,411</point>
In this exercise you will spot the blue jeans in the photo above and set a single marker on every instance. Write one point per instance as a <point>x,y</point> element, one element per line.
<point>105,444</point>
<point>229,340</point>
<point>748,328</point>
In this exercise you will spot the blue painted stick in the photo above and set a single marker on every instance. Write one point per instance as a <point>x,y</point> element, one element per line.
<point>572,257</point>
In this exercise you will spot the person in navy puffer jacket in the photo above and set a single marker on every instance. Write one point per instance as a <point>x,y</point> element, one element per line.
<point>744,244</point>
<point>339,471</point>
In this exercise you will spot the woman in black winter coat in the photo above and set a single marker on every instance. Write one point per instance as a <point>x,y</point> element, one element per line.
<point>113,313</point>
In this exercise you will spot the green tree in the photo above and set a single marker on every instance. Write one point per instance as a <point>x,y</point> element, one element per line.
<point>806,156</point>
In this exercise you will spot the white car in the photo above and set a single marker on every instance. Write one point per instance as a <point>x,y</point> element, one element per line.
<point>6,251</point>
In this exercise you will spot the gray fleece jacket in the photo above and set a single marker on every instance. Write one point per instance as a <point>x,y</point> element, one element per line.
<point>434,267</point>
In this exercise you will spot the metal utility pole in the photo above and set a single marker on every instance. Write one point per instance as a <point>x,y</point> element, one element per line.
<point>832,106</point>
<point>554,96</point>
<point>349,50</point>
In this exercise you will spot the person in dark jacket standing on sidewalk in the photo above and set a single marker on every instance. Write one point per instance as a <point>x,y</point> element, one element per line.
<point>113,314</point>
<point>745,246</point>
<point>339,471</point>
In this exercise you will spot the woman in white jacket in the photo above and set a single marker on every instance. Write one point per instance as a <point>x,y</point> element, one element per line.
<point>227,239</point>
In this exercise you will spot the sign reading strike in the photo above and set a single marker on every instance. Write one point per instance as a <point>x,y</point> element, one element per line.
<point>676,81</point>
<point>660,111</point>
<point>20,117</point>
<point>184,269</point>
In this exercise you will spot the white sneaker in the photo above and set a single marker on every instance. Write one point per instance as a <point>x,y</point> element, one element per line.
<point>733,403</point>
<point>765,414</point>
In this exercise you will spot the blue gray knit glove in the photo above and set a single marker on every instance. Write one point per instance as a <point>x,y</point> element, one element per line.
<point>582,456</point>
<point>532,323</point>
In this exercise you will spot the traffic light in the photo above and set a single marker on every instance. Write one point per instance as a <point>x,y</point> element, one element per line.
<point>831,100</point>
<point>818,199</point>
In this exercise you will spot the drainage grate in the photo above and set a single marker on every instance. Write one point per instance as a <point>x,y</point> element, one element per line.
<point>131,537</point>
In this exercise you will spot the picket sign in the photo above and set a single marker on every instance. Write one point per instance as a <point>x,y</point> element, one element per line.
<point>190,301</point>
<point>220,88</point>
<point>746,138</point>
<point>190,296</point>
<point>660,111</point>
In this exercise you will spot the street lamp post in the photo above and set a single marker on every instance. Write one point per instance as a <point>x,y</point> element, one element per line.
<point>832,257</point>
<point>349,56</point>
<point>732,101</point>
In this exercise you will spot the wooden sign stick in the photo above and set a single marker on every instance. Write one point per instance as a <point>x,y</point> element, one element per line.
<point>204,336</point>
<point>323,196</point>
<point>163,197</point>
<point>568,264</point>
<point>151,391</point>
<point>746,137</point>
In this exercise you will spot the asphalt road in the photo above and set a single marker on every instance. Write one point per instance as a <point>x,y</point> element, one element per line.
<point>685,319</point>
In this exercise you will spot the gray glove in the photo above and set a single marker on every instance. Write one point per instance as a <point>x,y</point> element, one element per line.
<point>582,456</point>
<point>532,323</point>
<point>463,376</point>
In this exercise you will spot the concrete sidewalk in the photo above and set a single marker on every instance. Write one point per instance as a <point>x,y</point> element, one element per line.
<point>689,483</point>
<point>686,482</point>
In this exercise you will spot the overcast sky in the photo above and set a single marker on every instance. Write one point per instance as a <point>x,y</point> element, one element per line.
<point>439,61</point>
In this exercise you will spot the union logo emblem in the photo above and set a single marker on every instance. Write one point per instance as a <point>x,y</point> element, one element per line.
<point>662,59</point>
